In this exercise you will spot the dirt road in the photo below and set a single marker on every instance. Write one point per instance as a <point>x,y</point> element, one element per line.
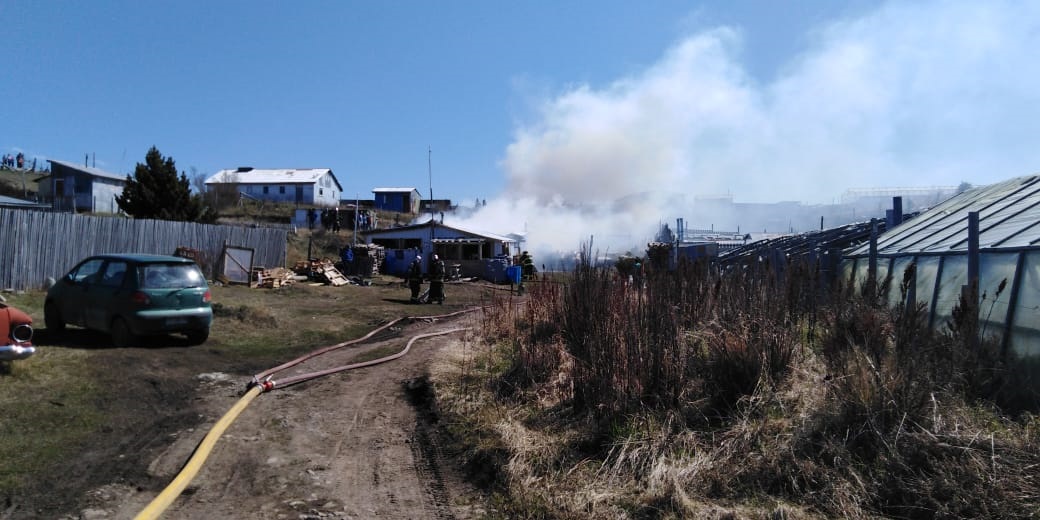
<point>357,444</point>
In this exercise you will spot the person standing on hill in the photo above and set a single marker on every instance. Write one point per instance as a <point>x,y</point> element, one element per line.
<point>415,278</point>
<point>437,280</point>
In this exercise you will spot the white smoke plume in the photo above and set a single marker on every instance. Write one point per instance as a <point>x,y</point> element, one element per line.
<point>912,94</point>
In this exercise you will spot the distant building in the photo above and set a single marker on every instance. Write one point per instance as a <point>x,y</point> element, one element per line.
<point>361,203</point>
<point>857,205</point>
<point>310,186</point>
<point>71,187</point>
<point>401,200</point>
<point>436,205</point>
<point>872,201</point>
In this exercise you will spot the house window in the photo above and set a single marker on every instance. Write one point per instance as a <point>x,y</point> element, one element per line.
<point>281,189</point>
<point>265,189</point>
<point>470,251</point>
<point>321,191</point>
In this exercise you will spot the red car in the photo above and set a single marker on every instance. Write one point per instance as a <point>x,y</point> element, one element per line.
<point>17,329</point>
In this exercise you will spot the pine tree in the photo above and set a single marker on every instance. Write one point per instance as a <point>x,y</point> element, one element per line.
<point>156,191</point>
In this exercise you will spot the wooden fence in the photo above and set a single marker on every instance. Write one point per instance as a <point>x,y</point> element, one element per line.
<point>35,245</point>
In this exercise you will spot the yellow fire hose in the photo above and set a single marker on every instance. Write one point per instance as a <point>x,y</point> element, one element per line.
<point>160,503</point>
<point>172,491</point>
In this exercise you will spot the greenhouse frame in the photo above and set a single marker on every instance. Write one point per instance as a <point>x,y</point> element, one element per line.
<point>937,240</point>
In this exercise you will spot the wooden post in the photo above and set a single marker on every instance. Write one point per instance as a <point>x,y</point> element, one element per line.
<point>872,259</point>
<point>972,296</point>
<point>973,251</point>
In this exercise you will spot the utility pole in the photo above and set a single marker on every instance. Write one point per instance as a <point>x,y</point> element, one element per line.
<point>429,170</point>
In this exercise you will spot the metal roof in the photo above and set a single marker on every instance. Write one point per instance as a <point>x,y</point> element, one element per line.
<point>394,190</point>
<point>88,170</point>
<point>272,176</point>
<point>426,225</point>
<point>18,203</point>
<point>804,244</point>
<point>1009,219</point>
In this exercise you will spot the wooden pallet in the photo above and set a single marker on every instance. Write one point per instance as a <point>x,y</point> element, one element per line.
<point>332,275</point>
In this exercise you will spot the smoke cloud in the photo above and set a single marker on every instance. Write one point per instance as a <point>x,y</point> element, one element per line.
<point>912,94</point>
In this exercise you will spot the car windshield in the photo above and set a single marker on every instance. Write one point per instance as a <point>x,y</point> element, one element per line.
<point>169,276</point>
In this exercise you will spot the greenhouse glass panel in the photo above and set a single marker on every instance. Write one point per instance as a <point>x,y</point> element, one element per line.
<point>995,269</point>
<point>1025,336</point>
<point>861,273</point>
<point>927,268</point>
<point>895,293</point>
<point>882,272</point>
<point>954,277</point>
<point>847,268</point>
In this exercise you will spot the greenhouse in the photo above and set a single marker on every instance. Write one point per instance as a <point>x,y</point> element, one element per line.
<point>937,242</point>
<point>824,249</point>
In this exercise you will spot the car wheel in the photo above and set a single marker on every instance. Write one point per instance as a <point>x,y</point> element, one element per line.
<point>121,334</point>
<point>52,317</point>
<point>197,337</point>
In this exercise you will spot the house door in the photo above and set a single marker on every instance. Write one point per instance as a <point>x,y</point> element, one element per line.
<point>299,194</point>
<point>59,194</point>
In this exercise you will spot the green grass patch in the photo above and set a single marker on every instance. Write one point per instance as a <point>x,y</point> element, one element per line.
<point>28,302</point>
<point>48,410</point>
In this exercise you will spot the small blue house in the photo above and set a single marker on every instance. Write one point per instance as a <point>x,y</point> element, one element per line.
<point>402,200</point>
<point>468,250</point>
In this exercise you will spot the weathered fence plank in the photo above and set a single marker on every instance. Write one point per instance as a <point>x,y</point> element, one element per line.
<point>35,245</point>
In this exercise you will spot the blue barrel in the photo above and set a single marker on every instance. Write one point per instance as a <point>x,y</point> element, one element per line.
<point>513,273</point>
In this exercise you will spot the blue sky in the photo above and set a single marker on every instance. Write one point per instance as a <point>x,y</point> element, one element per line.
<point>536,106</point>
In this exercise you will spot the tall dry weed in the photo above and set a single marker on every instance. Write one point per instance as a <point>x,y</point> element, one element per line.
<point>698,389</point>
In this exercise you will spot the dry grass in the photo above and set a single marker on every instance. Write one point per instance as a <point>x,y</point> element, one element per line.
<point>20,183</point>
<point>710,395</point>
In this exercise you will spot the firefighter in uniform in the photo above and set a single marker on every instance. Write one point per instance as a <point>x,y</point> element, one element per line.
<point>437,280</point>
<point>527,265</point>
<point>415,278</point>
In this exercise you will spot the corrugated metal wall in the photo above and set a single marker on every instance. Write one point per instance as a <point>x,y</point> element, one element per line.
<point>35,245</point>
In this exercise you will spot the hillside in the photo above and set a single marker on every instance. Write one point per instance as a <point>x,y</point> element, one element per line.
<point>22,184</point>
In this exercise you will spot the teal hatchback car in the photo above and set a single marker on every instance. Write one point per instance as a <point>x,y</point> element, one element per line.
<point>130,296</point>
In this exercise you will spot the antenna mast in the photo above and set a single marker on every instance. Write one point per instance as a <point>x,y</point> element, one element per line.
<point>429,169</point>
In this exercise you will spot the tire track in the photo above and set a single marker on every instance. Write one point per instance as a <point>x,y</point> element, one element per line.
<point>426,449</point>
